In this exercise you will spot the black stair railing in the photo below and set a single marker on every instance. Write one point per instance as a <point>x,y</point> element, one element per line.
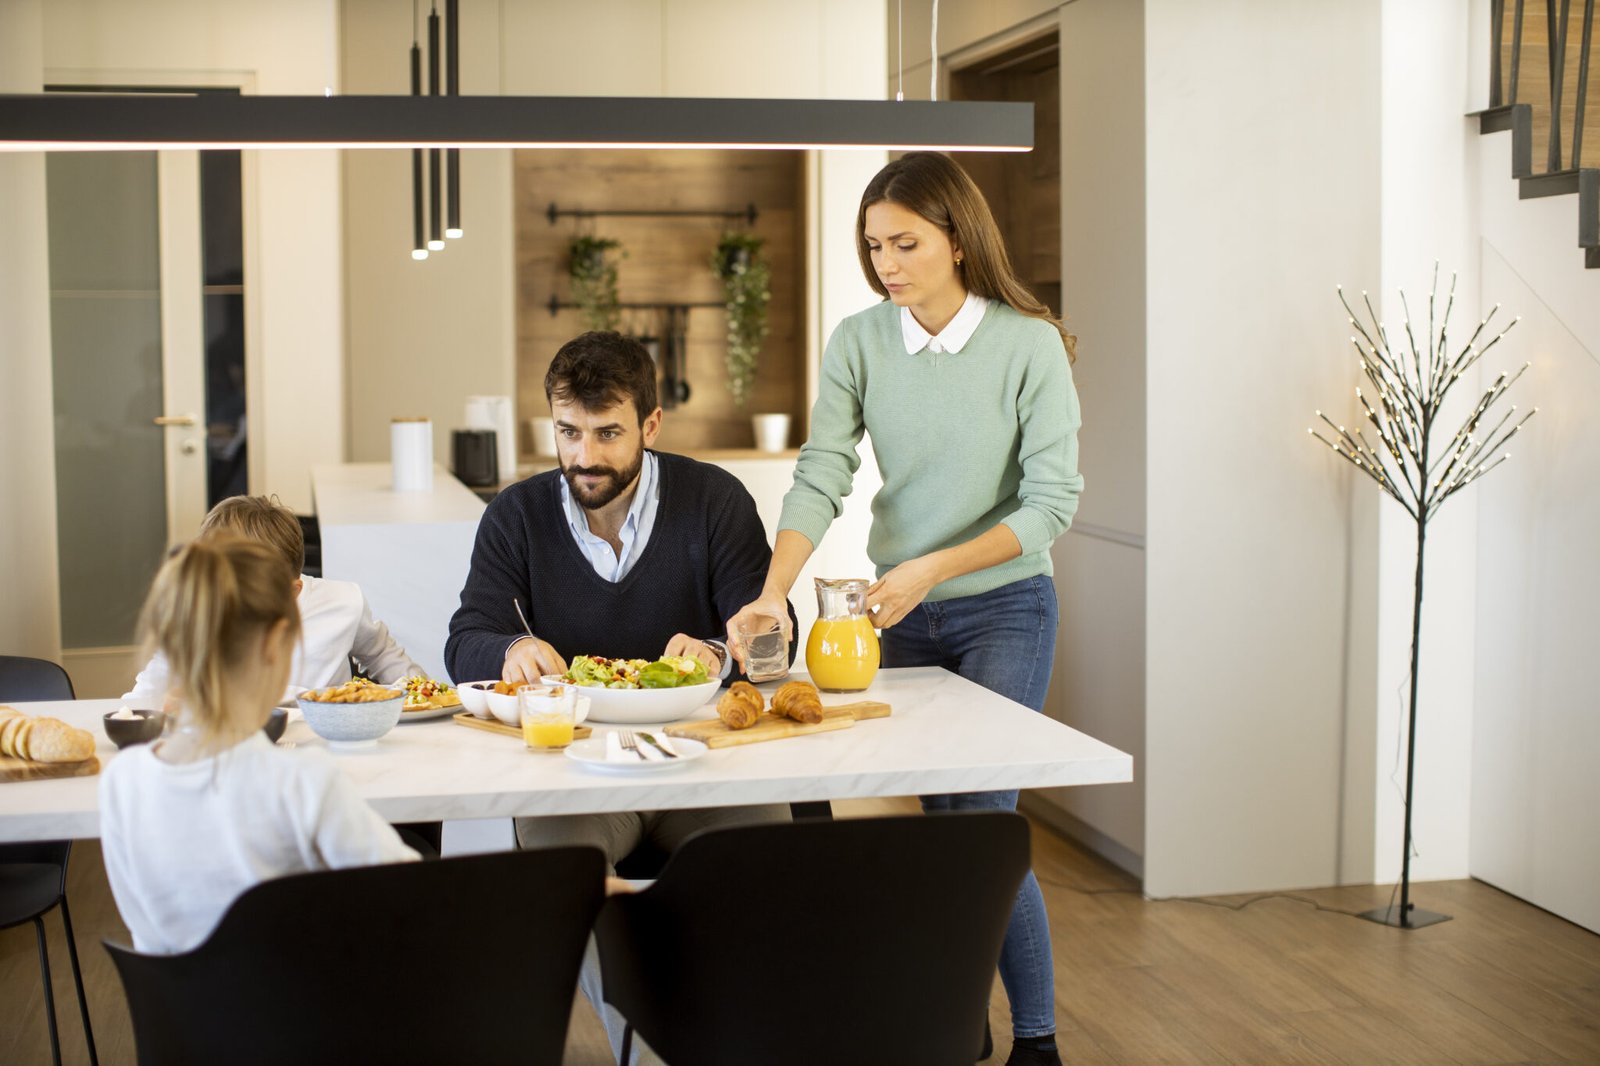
<point>1503,91</point>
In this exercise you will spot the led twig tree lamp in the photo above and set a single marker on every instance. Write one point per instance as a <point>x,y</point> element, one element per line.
<point>1409,464</point>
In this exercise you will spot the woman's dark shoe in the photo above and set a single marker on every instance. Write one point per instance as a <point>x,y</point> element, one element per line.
<point>1034,1051</point>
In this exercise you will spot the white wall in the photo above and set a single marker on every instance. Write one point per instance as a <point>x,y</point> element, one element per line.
<point>1258,203</point>
<point>30,621</point>
<point>293,272</point>
<point>1535,796</point>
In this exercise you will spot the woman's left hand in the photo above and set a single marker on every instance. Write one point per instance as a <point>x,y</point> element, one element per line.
<point>892,596</point>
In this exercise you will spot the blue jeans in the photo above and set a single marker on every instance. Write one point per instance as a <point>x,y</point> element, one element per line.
<point>1005,641</point>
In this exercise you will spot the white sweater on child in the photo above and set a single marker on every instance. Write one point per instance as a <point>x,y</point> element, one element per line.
<point>182,841</point>
<point>335,623</point>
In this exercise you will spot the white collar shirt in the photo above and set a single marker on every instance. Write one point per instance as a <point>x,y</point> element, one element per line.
<point>953,337</point>
<point>636,528</point>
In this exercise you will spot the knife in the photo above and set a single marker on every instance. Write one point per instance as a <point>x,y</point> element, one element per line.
<point>656,744</point>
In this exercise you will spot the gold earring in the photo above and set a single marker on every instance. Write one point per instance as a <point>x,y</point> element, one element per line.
<point>958,260</point>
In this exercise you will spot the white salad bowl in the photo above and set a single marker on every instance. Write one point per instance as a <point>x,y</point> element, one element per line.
<point>642,706</point>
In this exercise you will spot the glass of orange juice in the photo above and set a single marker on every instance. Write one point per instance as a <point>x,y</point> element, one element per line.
<point>549,716</point>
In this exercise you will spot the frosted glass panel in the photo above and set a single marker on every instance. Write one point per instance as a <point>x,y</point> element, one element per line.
<point>105,318</point>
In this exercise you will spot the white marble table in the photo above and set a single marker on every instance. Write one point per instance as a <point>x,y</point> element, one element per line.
<point>945,735</point>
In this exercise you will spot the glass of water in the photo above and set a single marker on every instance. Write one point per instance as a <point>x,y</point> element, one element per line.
<point>766,653</point>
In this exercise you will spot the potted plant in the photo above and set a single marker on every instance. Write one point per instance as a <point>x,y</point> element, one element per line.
<point>746,278</point>
<point>592,270</point>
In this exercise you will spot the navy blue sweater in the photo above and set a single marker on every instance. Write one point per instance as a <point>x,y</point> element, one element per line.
<point>706,557</point>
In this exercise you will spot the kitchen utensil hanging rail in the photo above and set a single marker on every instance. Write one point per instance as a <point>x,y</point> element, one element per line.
<point>556,304</point>
<point>748,213</point>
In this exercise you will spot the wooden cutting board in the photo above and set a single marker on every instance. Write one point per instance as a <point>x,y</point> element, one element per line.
<point>495,725</point>
<point>714,733</point>
<point>14,769</point>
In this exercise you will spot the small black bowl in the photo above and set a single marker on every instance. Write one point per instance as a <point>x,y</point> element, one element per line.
<point>276,724</point>
<point>141,730</point>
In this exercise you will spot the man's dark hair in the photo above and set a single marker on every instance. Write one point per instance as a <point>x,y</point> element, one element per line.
<point>599,370</point>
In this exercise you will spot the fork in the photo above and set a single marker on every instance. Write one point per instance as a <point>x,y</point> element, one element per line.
<point>630,742</point>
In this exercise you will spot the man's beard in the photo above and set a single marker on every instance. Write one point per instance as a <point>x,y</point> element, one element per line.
<point>615,482</point>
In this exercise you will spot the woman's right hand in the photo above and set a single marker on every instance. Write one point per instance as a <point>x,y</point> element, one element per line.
<point>771,604</point>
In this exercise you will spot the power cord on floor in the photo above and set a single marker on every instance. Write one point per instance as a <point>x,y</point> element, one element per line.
<point>1194,899</point>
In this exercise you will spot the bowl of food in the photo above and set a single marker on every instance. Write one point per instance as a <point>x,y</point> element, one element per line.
<point>475,696</point>
<point>638,691</point>
<point>352,715</point>
<point>501,697</point>
<point>125,727</point>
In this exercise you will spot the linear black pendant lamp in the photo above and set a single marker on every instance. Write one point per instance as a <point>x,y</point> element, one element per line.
<point>104,122</point>
<point>419,244</point>
<point>435,211</point>
<point>452,158</point>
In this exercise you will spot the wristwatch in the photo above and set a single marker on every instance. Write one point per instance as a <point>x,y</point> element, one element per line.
<point>722,654</point>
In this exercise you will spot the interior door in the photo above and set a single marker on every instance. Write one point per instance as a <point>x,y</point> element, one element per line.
<point>128,368</point>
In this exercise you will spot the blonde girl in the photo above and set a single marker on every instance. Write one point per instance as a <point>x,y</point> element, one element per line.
<point>191,821</point>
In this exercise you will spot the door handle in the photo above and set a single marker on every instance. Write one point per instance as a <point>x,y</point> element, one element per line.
<point>175,420</point>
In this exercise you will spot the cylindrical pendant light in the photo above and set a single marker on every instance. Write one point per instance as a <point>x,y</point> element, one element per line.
<point>419,245</point>
<point>452,38</point>
<point>435,209</point>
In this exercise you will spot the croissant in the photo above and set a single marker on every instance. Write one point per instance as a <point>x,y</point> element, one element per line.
<point>42,739</point>
<point>798,700</point>
<point>740,706</point>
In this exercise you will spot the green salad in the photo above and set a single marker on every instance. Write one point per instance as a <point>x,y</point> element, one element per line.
<point>669,671</point>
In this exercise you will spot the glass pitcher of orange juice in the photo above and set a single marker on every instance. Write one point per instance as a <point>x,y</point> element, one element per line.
<point>842,650</point>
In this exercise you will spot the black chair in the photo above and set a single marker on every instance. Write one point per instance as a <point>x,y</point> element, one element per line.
<point>463,960</point>
<point>33,877</point>
<point>859,941</point>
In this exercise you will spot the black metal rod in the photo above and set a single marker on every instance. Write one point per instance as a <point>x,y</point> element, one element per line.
<point>555,304</point>
<point>1497,17</point>
<point>435,155</point>
<point>1583,84</point>
<point>1558,63</point>
<point>1516,49</point>
<point>419,242</point>
<point>1411,730</point>
<point>749,214</point>
<point>452,159</point>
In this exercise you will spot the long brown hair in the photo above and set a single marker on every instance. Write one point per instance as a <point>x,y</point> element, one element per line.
<point>935,187</point>
<point>206,611</point>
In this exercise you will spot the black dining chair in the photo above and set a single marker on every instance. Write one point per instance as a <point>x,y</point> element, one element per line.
<point>473,959</point>
<point>33,877</point>
<point>860,941</point>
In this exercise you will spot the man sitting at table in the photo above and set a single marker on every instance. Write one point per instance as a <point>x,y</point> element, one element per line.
<point>623,552</point>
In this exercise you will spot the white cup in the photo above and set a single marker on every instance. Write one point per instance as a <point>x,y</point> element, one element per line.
<point>543,432</point>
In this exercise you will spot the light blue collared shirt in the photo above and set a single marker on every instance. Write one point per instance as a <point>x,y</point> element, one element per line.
<point>636,528</point>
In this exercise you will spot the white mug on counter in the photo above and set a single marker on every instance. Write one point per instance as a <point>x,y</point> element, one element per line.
<point>411,454</point>
<point>543,432</point>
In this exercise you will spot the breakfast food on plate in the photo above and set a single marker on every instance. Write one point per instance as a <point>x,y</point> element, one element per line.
<point>740,706</point>
<point>798,700</point>
<point>358,690</point>
<point>426,694</point>
<point>42,739</point>
<point>669,671</point>
<point>505,688</point>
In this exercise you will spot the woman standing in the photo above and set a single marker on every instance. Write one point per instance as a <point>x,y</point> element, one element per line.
<point>963,379</point>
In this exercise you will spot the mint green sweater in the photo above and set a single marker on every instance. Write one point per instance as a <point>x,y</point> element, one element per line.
<point>964,441</point>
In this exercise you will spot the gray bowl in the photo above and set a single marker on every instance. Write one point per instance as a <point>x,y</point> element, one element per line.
<point>352,725</point>
<point>141,730</point>
<point>276,724</point>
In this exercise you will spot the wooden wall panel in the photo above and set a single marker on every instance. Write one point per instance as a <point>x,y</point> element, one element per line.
<point>668,260</point>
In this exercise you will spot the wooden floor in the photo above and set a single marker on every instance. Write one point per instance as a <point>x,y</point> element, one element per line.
<point>1275,982</point>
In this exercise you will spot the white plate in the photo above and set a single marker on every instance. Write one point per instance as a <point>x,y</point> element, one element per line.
<point>642,706</point>
<point>430,714</point>
<point>591,755</point>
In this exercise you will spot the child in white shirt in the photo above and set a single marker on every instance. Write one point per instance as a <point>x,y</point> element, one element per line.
<point>189,822</point>
<point>335,622</point>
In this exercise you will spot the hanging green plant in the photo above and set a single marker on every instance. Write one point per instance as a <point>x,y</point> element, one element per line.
<point>592,270</point>
<point>746,278</point>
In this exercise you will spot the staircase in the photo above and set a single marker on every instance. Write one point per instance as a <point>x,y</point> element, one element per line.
<point>1531,53</point>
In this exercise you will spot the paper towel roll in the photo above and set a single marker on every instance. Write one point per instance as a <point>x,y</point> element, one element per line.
<point>411,454</point>
<point>497,413</point>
